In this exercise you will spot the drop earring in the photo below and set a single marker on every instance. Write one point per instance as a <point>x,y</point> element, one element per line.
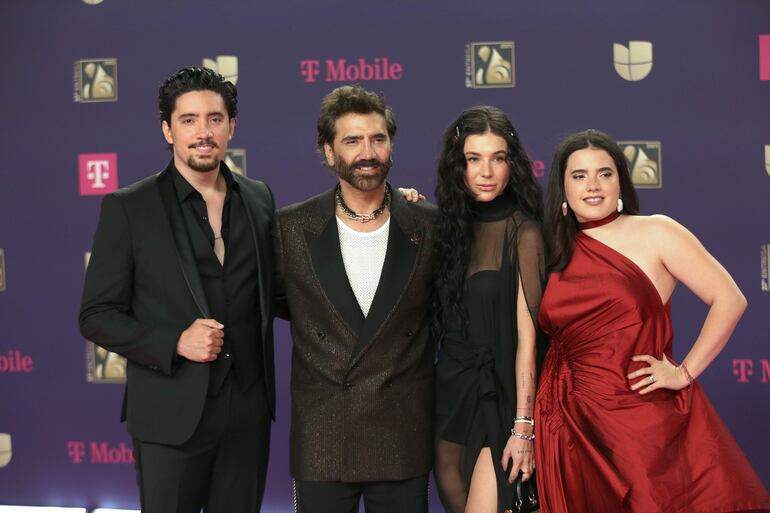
<point>620,205</point>
<point>564,209</point>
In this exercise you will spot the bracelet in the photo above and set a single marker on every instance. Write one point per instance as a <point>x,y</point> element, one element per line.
<point>687,374</point>
<point>524,420</point>
<point>522,436</point>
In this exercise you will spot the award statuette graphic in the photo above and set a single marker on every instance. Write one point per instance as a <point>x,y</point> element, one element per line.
<point>2,269</point>
<point>235,158</point>
<point>490,64</point>
<point>96,80</point>
<point>5,449</point>
<point>644,163</point>
<point>103,366</point>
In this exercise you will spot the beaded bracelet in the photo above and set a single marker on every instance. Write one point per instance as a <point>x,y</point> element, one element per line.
<point>522,436</point>
<point>687,374</point>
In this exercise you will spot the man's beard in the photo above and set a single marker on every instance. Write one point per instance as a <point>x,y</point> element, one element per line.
<point>206,165</point>
<point>203,166</point>
<point>364,182</point>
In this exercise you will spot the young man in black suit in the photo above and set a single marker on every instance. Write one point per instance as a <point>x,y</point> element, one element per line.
<point>180,283</point>
<point>353,275</point>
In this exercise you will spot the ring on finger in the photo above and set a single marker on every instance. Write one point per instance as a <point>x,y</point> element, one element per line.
<point>652,379</point>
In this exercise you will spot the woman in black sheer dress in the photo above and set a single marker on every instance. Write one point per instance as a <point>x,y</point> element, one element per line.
<point>489,275</point>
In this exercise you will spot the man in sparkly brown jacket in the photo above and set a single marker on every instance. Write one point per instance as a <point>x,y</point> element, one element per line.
<point>353,275</point>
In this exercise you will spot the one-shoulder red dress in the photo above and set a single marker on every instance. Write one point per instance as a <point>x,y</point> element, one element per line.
<point>602,448</point>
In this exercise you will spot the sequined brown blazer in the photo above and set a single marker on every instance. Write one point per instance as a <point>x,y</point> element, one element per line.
<point>362,388</point>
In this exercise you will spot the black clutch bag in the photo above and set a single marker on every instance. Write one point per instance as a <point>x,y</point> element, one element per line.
<point>525,499</point>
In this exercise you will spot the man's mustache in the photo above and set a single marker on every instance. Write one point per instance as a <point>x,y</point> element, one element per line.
<point>367,163</point>
<point>210,142</point>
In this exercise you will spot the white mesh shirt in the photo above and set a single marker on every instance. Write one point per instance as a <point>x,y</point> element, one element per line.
<point>363,254</point>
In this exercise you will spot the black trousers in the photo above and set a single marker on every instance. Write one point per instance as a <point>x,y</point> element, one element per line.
<point>407,496</point>
<point>221,468</point>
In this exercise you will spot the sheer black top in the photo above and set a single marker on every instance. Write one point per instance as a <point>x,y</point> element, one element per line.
<point>475,373</point>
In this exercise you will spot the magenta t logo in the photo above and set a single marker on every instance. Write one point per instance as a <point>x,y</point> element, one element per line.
<point>764,57</point>
<point>98,173</point>
<point>76,451</point>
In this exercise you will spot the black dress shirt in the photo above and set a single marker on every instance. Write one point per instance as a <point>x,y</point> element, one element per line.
<point>231,288</point>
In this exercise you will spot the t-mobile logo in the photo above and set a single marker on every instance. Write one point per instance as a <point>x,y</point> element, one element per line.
<point>764,57</point>
<point>98,173</point>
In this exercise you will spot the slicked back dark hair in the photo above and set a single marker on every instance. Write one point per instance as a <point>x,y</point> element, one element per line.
<point>346,100</point>
<point>560,230</point>
<point>195,78</point>
<point>455,224</point>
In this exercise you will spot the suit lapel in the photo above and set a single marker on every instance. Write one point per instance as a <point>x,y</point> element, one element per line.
<point>185,254</point>
<point>329,268</point>
<point>400,260</point>
<point>259,233</point>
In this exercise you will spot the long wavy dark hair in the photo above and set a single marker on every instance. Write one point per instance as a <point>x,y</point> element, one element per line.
<point>454,234</point>
<point>560,230</point>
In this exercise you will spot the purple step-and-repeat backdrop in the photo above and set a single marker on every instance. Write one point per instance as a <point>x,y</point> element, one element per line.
<point>684,85</point>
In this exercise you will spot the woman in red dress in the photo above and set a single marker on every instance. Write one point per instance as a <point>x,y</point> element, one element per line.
<point>619,426</point>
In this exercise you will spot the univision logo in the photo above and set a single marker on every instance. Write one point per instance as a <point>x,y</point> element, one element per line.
<point>633,62</point>
<point>767,158</point>
<point>225,65</point>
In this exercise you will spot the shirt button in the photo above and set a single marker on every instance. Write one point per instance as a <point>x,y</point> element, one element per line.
<point>227,355</point>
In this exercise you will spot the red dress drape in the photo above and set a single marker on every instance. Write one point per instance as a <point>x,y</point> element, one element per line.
<point>601,447</point>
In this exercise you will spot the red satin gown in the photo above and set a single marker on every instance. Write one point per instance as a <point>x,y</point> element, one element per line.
<point>600,447</point>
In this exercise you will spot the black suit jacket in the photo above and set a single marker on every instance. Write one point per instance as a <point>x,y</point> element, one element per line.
<point>361,388</point>
<point>143,289</point>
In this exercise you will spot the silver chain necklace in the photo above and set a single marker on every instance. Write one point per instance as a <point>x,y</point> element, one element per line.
<point>361,218</point>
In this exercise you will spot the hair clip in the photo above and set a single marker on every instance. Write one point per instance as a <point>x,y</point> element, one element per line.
<point>456,137</point>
